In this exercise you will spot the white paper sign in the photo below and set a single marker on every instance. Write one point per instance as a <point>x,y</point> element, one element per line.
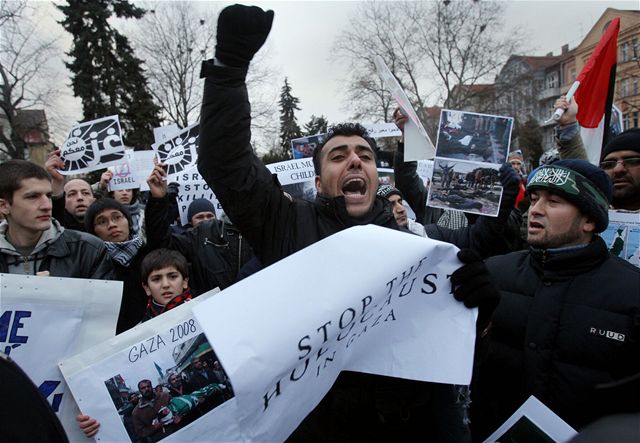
<point>104,377</point>
<point>535,421</point>
<point>392,317</point>
<point>297,177</point>
<point>93,145</point>
<point>164,133</point>
<point>46,319</point>
<point>193,186</point>
<point>622,236</point>
<point>180,151</point>
<point>381,130</point>
<point>134,173</point>
<point>417,144</point>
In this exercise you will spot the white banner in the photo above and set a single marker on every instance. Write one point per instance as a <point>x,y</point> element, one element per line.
<point>382,130</point>
<point>193,186</point>
<point>93,145</point>
<point>180,151</point>
<point>393,316</point>
<point>104,378</point>
<point>164,133</point>
<point>46,319</point>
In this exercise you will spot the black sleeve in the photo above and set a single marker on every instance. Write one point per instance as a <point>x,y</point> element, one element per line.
<point>409,183</point>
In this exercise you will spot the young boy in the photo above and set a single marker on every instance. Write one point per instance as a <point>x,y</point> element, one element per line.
<point>165,279</point>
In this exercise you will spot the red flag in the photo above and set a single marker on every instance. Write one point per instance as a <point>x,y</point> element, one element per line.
<point>595,94</point>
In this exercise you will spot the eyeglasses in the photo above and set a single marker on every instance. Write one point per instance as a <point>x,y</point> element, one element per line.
<point>629,162</point>
<point>116,217</point>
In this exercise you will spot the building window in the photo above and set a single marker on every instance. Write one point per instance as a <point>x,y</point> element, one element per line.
<point>635,49</point>
<point>572,74</point>
<point>624,88</point>
<point>630,120</point>
<point>552,80</point>
<point>625,52</point>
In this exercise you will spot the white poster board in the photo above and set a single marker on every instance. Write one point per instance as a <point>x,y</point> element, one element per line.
<point>393,317</point>
<point>134,172</point>
<point>180,151</point>
<point>193,186</point>
<point>104,377</point>
<point>533,422</point>
<point>46,319</point>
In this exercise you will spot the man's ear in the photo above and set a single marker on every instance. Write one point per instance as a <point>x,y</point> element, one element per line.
<point>588,225</point>
<point>318,185</point>
<point>146,289</point>
<point>185,283</point>
<point>5,207</point>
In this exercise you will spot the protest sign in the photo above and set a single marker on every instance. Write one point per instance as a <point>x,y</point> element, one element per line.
<point>164,133</point>
<point>469,151</point>
<point>134,172</point>
<point>382,130</point>
<point>297,177</point>
<point>535,423</point>
<point>393,317</point>
<point>193,186</point>
<point>46,319</point>
<point>93,145</point>
<point>303,147</point>
<point>417,144</point>
<point>104,378</point>
<point>180,151</point>
<point>622,236</point>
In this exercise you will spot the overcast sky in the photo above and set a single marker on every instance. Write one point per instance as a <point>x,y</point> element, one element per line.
<point>308,29</point>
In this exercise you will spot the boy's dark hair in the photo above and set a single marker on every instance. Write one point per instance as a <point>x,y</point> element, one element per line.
<point>346,129</point>
<point>12,172</point>
<point>100,205</point>
<point>163,258</point>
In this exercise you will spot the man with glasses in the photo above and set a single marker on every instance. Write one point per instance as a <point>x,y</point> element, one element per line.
<point>621,161</point>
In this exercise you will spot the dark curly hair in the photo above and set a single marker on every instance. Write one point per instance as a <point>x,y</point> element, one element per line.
<point>345,129</point>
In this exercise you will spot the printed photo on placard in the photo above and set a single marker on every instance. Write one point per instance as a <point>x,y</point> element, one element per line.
<point>465,186</point>
<point>93,145</point>
<point>180,152</point>
<point>303,147</point>
<point>171,389</point>
<point>386,177</point>
<point>474,137</point>
<point>622,236</point>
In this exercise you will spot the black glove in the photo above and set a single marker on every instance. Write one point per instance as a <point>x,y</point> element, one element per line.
<point>473,286</point>
<point>241,32</point>
<point>510,181</point>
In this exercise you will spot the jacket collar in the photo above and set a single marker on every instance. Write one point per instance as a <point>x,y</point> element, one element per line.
<point>47,240</point>
<point>336,207</point>
<point>570,261</point>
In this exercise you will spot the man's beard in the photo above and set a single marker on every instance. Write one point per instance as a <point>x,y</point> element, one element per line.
<point>552,241</point>
<point>627,198</point>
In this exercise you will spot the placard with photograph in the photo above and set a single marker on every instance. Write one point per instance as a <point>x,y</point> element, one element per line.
<point>622,236</point>
<point>160,380</point>
<point>465,186</point>
<point>305,146</point>
<point>533,422</point>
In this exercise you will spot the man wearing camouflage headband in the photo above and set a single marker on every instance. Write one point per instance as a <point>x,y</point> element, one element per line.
<point>569,316</point>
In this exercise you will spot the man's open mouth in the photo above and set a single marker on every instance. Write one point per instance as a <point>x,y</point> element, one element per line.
<point>354,187</point>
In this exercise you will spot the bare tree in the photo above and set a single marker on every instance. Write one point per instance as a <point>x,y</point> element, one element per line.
<point>173,39</point>
<point>430,47</point>
<point>24,80</point>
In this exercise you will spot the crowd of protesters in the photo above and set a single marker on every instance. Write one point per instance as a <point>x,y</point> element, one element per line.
<point>549,292</point>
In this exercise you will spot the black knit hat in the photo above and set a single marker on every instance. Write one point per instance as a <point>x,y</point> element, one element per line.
<point>629,140</point>
<point>581,183</point>
<point>387,191</point>
<point>199,205</point>
<point>100,205</point>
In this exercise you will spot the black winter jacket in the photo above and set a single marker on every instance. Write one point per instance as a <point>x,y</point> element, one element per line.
<point>72,254</point>
<point>566,322</point>
<point>277,227</point>
<point>205,247</point>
